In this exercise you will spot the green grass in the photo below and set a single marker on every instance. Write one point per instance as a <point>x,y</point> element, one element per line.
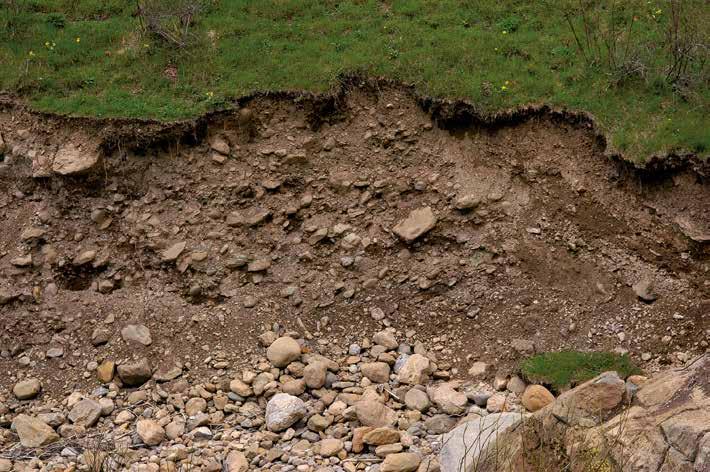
<point>569,368</point>
<point>495,53</point>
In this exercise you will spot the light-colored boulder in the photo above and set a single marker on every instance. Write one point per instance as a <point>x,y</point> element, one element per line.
<point>283,351</point>
<point>446,398</point>
<point>468,444</point>
<point>284,410</point>
<point>73,159</point>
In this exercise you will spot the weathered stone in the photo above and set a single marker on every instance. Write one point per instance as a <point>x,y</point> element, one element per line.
<point>358,438</point>
<point>236,462</point>
<point>418,223</point>
<point>536,397</point>
<point>516,385</point>
<point>378,372</point>
<point>447,399</point>
<point>27,389</point>
<point>375,414</point>
<point>523,347</point>
<point>381,436</point>
<point>283,411</point>
<point>466,202</point>
<point>137,333</point>
<point>415,370</point>
<point>402,462</point>
<point>85,413</point>
<point>72,159</point>
<point>33,432</point>
<point>416,399</point>
<point>462,447</point>
<point>105,371</point>
<point>135,373</point>
<point>283,351</point>
<point>150,432</point>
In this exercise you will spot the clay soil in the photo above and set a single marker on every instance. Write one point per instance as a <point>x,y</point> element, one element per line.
<point>551,253</point>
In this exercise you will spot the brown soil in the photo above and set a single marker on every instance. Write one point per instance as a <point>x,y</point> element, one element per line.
<point>562,233</point>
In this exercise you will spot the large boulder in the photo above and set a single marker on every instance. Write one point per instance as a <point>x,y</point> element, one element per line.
<point>592,401</point>
<point>284,410</point>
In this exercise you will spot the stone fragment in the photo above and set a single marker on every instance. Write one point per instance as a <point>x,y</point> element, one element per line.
<point>447,399</point>
<point>418,223</point>
<point>378,372</point>
<point>381,436</point>
<point>375,414</point>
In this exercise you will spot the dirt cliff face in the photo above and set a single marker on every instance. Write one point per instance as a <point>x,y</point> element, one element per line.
<point>287,212</point>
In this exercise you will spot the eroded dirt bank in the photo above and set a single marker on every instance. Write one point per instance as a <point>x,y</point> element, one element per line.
<point>284,213</point>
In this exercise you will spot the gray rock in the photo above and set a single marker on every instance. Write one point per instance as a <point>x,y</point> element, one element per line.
<point>440,424</point>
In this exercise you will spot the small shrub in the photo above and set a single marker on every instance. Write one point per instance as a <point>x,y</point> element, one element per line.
<point>169,20</point>
<point>565,369</point>
<point>509,24</point>
<point>56,20</point>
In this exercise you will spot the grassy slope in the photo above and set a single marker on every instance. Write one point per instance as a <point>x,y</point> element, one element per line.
<point>496,53</point>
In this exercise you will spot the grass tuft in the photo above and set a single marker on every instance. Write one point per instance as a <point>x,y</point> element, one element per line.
<point>565,369</point>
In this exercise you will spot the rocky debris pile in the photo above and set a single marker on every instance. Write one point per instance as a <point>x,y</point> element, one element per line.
<point>377,405</point>
<point>662,424</point>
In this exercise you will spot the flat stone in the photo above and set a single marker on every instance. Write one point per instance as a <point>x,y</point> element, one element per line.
<point>173,252</point>
<point>34,432</point>
<point>402,462</point>
<point>375,414</point>
<point>418,223</point>
<point>381,436</point>
<point>71,159</point>
<point>85,413</point>
<point>137,333</point>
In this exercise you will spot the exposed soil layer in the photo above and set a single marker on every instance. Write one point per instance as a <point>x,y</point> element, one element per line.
<point>557,235</point>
